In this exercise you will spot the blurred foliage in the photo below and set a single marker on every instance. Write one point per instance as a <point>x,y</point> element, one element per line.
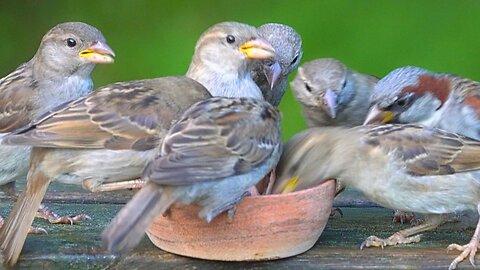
<point>156,38</point>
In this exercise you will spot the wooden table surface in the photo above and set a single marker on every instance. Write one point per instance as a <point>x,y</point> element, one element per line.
<point>79,246</point>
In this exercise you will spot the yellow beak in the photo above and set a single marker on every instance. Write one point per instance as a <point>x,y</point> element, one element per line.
<point>377,116</point>
<point>258,48</point>
<point>99,53</point>
<point>290,185</point>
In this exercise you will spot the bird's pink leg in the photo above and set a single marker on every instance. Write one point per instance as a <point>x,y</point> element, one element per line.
<point>271,182</point>
<point>45,213</point>
<point>407,236</point>
<point>402,217</point>
<point>94,185</point>
<point>33,230</point>
<point>469,250</point>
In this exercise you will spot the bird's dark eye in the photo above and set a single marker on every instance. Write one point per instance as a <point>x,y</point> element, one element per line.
<point>230,39</point>
<point>344,83</point>
<point>404,101</point>
<point>294,60</point>
<point>309,89</point>
<point>71,42</point>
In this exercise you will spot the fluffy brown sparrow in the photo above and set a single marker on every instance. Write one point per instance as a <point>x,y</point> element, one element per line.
<point>219,149</point>
<point>406,167</point>
<point>331,94</point>
<point>104,140</point>
<point>271,75</point>
<point>416,95</point>
<point>58,72</point>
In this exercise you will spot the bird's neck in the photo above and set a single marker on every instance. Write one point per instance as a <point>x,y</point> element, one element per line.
<point>224,80</point>
<point>55,87</point>
<point>50,69</point>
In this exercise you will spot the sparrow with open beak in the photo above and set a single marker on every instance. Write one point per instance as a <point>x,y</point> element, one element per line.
<point>58,72</point>
<point>331,94</point>
<point>271,75</point>
<point>104,140</point>
<point>406,167</point>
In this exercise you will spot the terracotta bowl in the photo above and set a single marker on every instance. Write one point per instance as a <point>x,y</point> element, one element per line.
<point>264,227</point>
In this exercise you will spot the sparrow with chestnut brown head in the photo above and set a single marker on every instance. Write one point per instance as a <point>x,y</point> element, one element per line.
<point>416,95</point>
<point>406,167</point>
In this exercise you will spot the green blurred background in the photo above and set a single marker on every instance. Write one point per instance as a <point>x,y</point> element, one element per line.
<point>156,38</point>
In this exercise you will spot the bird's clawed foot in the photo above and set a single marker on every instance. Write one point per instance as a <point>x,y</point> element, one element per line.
<point>395,239</point>
<point>33,230</point>
<point>402,217</point>
<point>469,250</point>
<point>9,189</point>
<point>37,230</point>
<point>233,206</point>
<point>45,213</point>
<point>336,210</point>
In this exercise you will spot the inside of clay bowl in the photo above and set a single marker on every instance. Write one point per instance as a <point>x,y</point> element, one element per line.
<point>264,227</point>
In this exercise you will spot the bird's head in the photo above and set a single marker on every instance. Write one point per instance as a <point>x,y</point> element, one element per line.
<point>231,47</point>
<point>408,95</point>
<point>288,52</point>
<point>324,83</point>
<point>74,46</point>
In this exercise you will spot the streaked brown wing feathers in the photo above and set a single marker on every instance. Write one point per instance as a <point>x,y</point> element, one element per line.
<point>427,151</point>
<point>216,139</point>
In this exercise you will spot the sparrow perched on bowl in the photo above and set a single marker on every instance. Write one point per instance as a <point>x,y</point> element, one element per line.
<point>219,149</point>
<point>415,95</point>
<point>406,167</point>
<point>104,140</point>
<point>331,94</point>
<point>58,72</point>
<point>271,75</point>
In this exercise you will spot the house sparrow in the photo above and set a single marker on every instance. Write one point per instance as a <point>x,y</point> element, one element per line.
<point>416,95</point>
<point>271,75</point>
<point>58,72</point>
<point>237,44</point>
<point>104,140</point>
<point>219,148</point>
<point>406,167</point>
<point>331,94</point>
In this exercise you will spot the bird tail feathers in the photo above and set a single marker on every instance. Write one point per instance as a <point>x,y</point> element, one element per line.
<point>127,228</point>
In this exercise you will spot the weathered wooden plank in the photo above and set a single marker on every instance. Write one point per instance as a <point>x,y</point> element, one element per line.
<point>79,246</point>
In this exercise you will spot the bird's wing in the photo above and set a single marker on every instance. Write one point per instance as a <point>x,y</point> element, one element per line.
<point>15,106</point>
<point>215,139</point>
<point>131,115</point>
<point>424,151</point>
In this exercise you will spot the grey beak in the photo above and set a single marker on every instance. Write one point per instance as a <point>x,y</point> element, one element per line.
<point>272,72</point>
<point>330,100</point>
